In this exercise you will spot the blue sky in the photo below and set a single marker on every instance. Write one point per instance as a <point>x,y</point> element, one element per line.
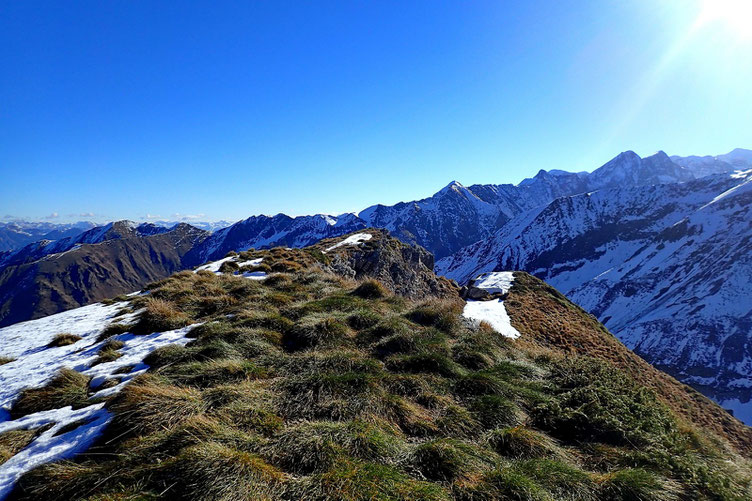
<point>136,109</point>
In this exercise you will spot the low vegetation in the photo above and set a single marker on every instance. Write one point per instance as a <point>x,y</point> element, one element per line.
<point>310,386</point>
<point>68,387</point>
<point>63,339</point>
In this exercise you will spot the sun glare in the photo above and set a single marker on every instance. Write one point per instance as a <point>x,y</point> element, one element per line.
<point>736,15</point>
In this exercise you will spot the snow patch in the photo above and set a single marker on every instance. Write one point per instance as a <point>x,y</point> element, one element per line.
<point>493,312</point>
<point>47,447</point>
<point>35,364</point>
<point>356,239</point>
<point>252,262</point>
<point>214,265</point>
<point>495,282</point>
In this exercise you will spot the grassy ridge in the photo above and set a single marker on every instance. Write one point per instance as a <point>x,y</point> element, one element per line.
<point>310,386</point>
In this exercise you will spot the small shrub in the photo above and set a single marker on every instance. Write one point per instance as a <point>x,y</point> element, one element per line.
<point>68,387</point>
<point>63,339</point>
<point>371,289</point>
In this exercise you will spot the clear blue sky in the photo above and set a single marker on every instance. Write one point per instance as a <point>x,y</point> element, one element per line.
<point>129,109</point>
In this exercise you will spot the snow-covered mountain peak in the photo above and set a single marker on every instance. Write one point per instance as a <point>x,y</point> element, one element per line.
<point>453,186</point>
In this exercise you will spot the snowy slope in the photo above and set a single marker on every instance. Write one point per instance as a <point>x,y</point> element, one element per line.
<point>35,363</point>
<point>665,267</point>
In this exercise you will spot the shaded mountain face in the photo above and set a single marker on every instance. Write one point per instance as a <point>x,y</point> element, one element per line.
<point>665,267</point>
<point>92,269</point>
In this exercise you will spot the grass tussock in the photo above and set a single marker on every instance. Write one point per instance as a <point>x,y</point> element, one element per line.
<point>109,351</point>
<point>68,387</point>
<point>63,339</point>
<point>14,441</point>
<point>371,289</point>
<point>310,386</point>
<point>159,315</point>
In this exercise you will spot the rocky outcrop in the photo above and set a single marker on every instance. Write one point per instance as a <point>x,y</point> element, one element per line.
<point>405,269</point>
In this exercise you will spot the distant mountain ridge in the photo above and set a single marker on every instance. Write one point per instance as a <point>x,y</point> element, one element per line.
<point>114,259</point>
<point>16,234</point>
<point>457,216</point>
<point>452,219</point>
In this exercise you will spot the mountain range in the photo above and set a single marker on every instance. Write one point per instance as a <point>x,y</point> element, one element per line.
<point>655,247</point>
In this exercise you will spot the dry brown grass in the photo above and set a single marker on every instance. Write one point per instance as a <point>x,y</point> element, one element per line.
<point>68,387</point>
<point>63,339</point>
<point>159,316</point>
<point>148,405</point>
<point>547,320</point>
<point>13,441</point>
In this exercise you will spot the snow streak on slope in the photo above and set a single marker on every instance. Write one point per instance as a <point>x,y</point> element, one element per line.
<point>214,267</point>
<point>493,311</point>
<point>356,239</point>
<point>35,364</point>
